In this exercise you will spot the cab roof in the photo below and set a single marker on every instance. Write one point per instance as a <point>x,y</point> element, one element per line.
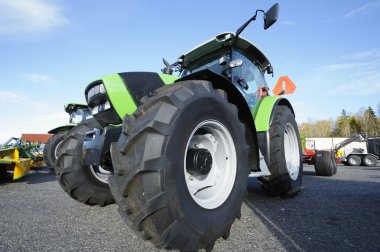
<point>223,40</point>
<point>70,107</point>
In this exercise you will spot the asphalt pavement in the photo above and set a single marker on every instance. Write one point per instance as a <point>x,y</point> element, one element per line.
<point>339,213</point>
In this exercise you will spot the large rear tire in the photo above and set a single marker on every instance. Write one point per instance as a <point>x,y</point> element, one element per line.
<point>286,164</point>
<point>181,166</point>
<point>51,150</point>
<point>86,184</point>
<point>325,164</point>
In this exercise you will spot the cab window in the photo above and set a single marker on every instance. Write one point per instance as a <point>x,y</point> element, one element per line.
<point>250,73</point>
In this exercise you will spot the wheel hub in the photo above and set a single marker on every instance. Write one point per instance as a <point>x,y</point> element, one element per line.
<point>210,164</point>
<point>198,161</point>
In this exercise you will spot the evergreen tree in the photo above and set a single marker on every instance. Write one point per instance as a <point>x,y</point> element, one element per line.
<point>342,128</point>
<point>355,127</point>
<point>369,122</point>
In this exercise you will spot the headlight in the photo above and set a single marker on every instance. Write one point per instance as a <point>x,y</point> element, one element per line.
<point>101,107</point>
<point>97,89</point>
<point>107,105</point>
<point>97,98</point>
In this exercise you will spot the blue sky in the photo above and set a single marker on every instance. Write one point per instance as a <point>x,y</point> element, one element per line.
<point>51,49</point>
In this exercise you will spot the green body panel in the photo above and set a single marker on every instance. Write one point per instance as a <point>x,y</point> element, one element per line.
<point>255,107</point>
<point>66,127</point>
<point>24,151</point>
<point>6,149</point>
<point>115,125</point>
<point>264,112</point>
<point>303,141</point>
<point>168,79</point>
<point>119,96</point>
<point>122,101</point>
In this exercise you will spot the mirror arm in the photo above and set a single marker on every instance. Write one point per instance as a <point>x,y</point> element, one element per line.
<point>242,28</point>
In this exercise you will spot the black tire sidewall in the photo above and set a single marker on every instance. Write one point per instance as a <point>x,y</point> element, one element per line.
<point>83,172</point>
<point>365,160</point>
<point>78,174</point>
<point>181,202</point>
<point>280,182</point>
<point>51,145</point>
<point>352,157</point>
<point>325,164</point>
<point>298,181</point>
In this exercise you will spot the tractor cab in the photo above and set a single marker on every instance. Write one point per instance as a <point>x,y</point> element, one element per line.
<point>234,58</point>
<point>222,54</point>
<point>78,112</point>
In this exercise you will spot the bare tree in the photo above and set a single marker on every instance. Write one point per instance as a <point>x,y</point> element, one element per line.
<point>346,125</point>
<point>369,123</point>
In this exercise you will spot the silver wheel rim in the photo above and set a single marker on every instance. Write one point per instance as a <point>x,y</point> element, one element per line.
<point>355,160</point>
<point>292,152</point>
<point>212,190</point>
<point>99,173</point>
<point>370,160</point>
<point>56,149</point>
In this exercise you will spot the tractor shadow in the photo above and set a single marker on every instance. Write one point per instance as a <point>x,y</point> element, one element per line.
<point>328,214</point>
<point>36,175</point>
<point>309,173</point>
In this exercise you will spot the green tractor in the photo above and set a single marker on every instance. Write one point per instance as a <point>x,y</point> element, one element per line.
<point>78,113</point>
<point>175,153</point>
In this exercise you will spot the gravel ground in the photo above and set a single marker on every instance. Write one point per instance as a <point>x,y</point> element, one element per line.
<point>339,213</point>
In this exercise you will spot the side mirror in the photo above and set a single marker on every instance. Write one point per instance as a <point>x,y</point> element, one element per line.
<point>269,70</point>
<point>271,16</point>
<point>168,68</point>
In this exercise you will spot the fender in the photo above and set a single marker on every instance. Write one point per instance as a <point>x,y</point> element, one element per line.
<point>263,120</point>
<point>264,114</point>
<point>66,127</point>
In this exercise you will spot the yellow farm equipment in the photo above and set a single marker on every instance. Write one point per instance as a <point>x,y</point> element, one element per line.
<point>19,157</point>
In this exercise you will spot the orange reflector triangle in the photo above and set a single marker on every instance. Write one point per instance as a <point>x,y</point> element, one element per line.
<point>284,86</point>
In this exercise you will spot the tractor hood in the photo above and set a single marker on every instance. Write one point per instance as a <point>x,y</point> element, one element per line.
<point>223,40</point>
<point>113,96</point>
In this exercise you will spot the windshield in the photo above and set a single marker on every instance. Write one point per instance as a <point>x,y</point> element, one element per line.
<point>251,73</point>
<point>80,115</point>
<point>86,114</point>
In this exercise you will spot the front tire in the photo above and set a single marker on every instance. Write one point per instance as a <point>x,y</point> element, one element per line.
<point>183,144</point>
<point>286,164</point>
<point>85,184</point>
<point>51,150</point>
